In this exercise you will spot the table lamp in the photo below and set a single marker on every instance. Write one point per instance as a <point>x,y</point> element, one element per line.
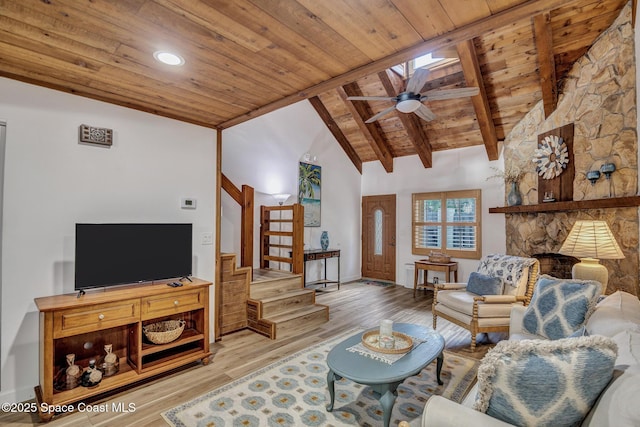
<point>591,241</point>
<point>281,198</point>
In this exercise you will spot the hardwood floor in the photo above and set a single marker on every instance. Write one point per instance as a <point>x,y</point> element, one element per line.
<point>239,353</point>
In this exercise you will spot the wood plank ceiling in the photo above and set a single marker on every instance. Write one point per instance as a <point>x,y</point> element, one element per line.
<point>245,58</point>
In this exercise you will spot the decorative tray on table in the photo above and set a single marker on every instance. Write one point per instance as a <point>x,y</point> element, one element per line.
<point>402,343</point>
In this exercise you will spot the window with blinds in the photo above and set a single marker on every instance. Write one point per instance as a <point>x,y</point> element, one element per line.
<point>447,222</point>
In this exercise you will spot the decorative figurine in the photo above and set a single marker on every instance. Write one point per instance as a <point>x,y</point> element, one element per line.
<point>92,375</point>
<point>73,371</point>
<point>111,364</point>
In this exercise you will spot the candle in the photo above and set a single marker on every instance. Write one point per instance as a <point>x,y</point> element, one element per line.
<point>386,328</point>
<point>387,342</point>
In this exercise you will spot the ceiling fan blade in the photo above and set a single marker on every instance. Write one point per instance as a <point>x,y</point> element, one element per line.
<point>434,95</point>
<point>371,98</point>
<point>417,80</point>
<point>380,114</point>
<point>425,113</point>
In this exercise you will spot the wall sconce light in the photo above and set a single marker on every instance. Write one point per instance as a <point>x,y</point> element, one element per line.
<point>593,176</point>
<point>607,169</point>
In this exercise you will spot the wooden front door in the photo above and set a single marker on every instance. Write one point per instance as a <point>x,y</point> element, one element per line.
<point>379,237</point>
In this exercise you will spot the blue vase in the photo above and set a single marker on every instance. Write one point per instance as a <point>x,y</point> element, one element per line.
<point>514,198</point>
<point>324,240</point>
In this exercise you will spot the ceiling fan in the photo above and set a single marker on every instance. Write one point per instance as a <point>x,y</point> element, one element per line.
<point>410,101</point>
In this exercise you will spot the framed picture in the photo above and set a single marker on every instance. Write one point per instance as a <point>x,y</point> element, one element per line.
<point>309,183</point>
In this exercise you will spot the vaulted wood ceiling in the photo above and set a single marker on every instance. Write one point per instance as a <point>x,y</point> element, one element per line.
<point>245,58</point>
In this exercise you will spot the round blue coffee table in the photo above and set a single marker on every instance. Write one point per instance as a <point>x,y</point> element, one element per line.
<point>382,377</point>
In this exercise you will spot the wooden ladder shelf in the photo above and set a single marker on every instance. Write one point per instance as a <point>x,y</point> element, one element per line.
<point>282,236</point>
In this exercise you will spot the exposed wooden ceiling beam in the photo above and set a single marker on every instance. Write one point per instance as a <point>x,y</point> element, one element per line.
<point>546,62</point>
<point>466,32</point>
<point>456,78</point>
<point>372,132</point>
<point>394,84</point>
<point>473,76</point>
<point>336,132</point>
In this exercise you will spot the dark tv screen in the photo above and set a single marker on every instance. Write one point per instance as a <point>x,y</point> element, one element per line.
<point>115,254</point>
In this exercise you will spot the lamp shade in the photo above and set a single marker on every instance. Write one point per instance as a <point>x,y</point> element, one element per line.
<point>281,198</point>
<point>591,239</point>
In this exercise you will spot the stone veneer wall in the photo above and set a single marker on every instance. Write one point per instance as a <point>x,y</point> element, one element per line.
<point>599,97</point>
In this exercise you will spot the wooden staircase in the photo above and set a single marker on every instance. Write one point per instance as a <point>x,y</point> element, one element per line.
<point>275,303</point>
<point>279,306</point>
<point>231,296</point>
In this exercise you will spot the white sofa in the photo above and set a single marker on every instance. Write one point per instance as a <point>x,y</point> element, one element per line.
<point>616,316</point>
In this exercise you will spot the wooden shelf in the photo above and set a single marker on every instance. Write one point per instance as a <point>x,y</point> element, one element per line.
<point>320,282</point>
<point>173,359</point>
<point>125,375</point>
<point>428,286</point>
<point>116,316</point>
<point>614,202</point>
<point>188,336</point>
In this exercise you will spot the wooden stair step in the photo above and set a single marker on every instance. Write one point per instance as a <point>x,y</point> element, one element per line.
<point>269,288</point>
<point>285,295</point>
<point>279,305</point>
<point>297,321</point>
<point>287,301</point>
<point>297,313</point>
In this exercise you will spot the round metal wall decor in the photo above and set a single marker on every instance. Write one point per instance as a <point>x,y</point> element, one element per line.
<point>552,157</point>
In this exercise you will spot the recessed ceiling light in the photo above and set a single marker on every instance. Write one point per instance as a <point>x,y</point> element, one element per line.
<point>168,58</point>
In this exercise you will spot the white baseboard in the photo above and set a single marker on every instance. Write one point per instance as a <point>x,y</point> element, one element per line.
<point>17,396</point>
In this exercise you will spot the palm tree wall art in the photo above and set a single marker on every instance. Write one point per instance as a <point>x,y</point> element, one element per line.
<point>309,180</point>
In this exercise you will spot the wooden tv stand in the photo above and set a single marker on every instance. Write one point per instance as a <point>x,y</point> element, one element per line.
<point>83,325</point>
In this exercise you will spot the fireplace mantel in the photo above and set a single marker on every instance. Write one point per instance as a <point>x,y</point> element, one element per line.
<point>614,202</point>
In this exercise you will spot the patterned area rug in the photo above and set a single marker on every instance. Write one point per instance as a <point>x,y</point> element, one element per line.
<point>293,392</point>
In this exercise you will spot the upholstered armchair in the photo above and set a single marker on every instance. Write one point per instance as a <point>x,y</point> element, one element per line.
<point>483,304</point>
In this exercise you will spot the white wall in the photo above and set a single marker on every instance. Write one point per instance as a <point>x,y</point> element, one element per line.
<point>52,182</point>
<point>461,169</point>
<point>264,153</point>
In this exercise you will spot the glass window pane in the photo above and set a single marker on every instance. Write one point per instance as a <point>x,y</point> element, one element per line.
<point>377,218</point>
<point>447,221</point>
<point>461,210</point>
<point>461,237</point>
<point>433,210</point>
<point>428,236</point>
<point>428,211</point>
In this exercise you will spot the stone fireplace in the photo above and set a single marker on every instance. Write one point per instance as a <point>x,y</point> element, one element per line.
<point>556,265</point>
<point>598,97</point>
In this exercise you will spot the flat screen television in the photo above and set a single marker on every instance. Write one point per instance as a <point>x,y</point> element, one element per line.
<point>116,254</point>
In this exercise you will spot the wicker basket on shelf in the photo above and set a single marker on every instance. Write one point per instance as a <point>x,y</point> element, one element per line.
<point>164,332</point>
<point>439,257</point>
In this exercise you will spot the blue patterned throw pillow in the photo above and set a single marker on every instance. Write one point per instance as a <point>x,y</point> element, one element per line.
<point>545,383</point>
<point>482,284</point>
<point>560,307</point>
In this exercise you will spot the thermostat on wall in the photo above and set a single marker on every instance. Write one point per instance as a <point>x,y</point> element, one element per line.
<point>188,203</point>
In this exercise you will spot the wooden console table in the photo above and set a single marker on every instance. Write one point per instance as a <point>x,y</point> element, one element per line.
<point>316,255</point>
<point>84,325</point>
<point>447,268</point>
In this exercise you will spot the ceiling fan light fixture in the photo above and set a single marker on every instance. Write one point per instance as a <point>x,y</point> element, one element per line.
<point>168,58</point>
<point>408,105</point>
